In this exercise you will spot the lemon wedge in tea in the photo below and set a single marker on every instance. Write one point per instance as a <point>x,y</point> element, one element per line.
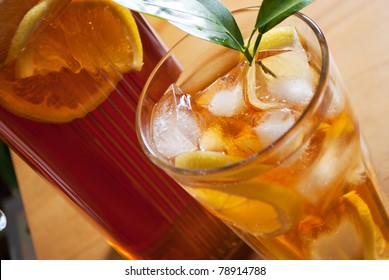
<point>375,244</point>
<point>256,206</point>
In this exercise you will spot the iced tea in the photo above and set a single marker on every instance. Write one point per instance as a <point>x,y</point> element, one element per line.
<point>276,155</point>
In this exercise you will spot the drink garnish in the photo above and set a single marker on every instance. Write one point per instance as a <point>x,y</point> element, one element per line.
<point>212,21</point>
<point>375,246</point>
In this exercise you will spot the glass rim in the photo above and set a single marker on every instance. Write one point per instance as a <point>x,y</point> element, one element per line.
<point>268,150</point>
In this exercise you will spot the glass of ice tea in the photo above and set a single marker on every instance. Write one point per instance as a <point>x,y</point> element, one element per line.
<point>273,150</point>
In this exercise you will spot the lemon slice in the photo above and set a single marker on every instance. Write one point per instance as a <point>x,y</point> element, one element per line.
<point>199,160</point>
<point>261,208</point>
<point>68,62</point>
<point>203,160</point>
<point>257,207</point>
<point>375,245</point>
<point>283,37</point>
<point>278,38</point>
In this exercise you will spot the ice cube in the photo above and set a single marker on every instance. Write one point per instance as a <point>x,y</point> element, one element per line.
<point>224,97</point>
<point>336,107</point>
<point>174,127</point>
<point>247,142</point>
<point>293,63</point>
<point>256,89</point>
<point>343,242</point>
<point>227,102</point>
<point>335,160</point>
<point>292,90</point>
<point>272,124</point>
<point>212,139</point>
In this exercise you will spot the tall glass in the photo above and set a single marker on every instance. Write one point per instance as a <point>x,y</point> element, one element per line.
<point>309,193</point>
<point>97,162</point>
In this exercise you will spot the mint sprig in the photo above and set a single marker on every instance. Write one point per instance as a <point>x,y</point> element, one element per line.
<point>212,21</point>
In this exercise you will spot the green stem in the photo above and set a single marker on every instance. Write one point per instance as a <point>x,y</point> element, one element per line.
<point>248,55</point>
<point>257,41</point>
<point>266,69</point>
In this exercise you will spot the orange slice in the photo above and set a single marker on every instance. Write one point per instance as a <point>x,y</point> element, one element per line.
<point>66,67</point>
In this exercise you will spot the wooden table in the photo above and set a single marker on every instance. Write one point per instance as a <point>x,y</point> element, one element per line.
<point>356,31</point>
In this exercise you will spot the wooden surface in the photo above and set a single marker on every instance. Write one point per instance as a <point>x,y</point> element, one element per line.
<point>356,31</point>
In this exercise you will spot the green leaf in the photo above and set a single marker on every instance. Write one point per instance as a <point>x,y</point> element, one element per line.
<point>206,19</point>
<point>272,12</point>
